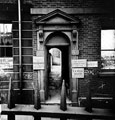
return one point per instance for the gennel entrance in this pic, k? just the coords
(57, 65)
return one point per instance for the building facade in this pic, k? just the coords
(79, 29)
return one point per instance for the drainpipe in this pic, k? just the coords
(20, 51)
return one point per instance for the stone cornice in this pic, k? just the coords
(73, 10)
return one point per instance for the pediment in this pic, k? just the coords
(56, 17)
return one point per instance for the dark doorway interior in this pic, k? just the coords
(57, 65)
(58, 70)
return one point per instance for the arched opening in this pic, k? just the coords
(55, 74)
(57, 66)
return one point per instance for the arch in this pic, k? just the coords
(56, 39)
(61, 41)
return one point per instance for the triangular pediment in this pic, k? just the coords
(57, 16)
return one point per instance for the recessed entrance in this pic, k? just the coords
(57, 61)
(55, 75)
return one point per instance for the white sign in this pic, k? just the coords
(77, 72)
(37, 59)
(40, 53)
(79, 63)
(75, 52)
(92, 64)
(6, 63)
(38, 66)
(6, 66)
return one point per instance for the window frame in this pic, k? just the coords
(107, 72)
(5, 46)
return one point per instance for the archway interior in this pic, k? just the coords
(55, 73)
(58, 70)
(58, 67)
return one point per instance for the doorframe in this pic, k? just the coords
(46, 62)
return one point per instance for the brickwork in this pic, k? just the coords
(64, 3)
(89, 31)
(67, 3)
(8, 1)
(89, 36)
(90, 47)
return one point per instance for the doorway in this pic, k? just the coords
(55, 74)
(57, 66)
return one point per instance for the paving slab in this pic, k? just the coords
(54, 111)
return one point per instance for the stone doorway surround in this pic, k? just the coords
(56, 21)
(54, 80)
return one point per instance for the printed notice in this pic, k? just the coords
(92, 64)
(38, 63)
(38, 66)
(77, 72)
(40, 53)
(37, 59)
(6, 63)
(79, 63)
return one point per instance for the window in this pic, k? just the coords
(5, 40)
(6, 59)
(108, 49)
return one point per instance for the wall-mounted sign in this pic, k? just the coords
(38, 66)
(37, 59)
(75, 52)
(38, 62)
(92, 64)
(77, 72)
(6, 63)
(40, 53)
(79, 63)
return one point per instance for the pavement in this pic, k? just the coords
(22, 117)
(54, 111)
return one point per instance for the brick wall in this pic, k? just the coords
(68, 3)
(89, 32)
(8, 1)
(89, 45)
(65, 3)
(89, 36)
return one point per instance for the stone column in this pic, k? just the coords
(42, 92)
(75, 54)
(75, 92)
